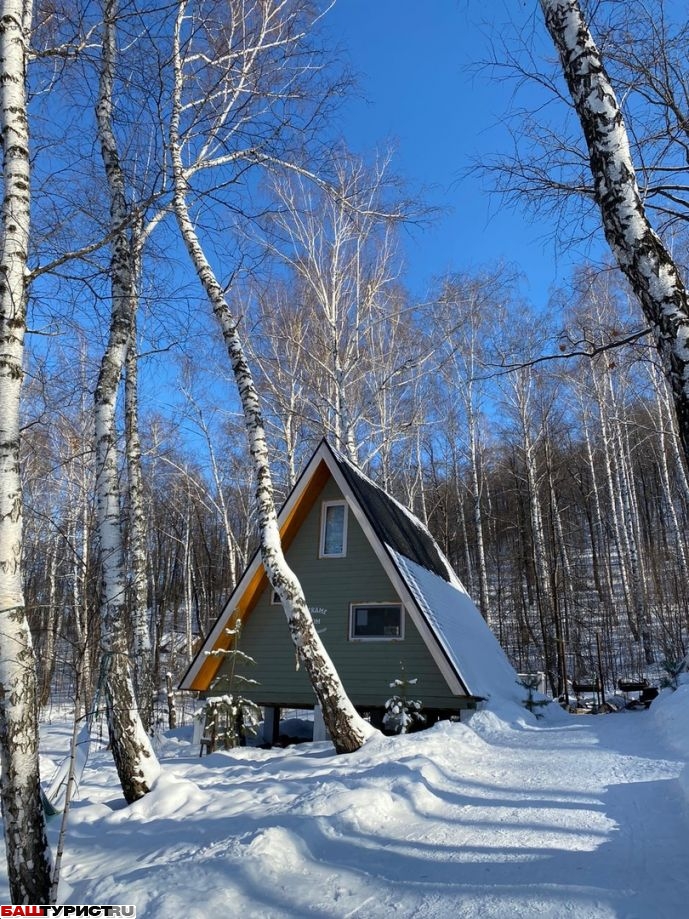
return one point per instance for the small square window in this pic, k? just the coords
(333, 529)
(376, 622)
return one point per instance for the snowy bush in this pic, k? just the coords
(402, 715)
(673, 671)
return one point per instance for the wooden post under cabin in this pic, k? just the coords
(271, 724)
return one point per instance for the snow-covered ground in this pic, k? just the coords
(567, 816)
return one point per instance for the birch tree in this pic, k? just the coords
(279, 353)
(141, 630)
(24, 828)
(523, 398)
(347, 728)
(339, 243)
(135, 760)
(218, 499)
(646, 262)
(461, 318)
(546, 168)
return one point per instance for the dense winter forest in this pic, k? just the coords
(557, 489)
(199, 236)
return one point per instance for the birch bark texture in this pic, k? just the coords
(347, 729)
(639, 251)
(141, 630)
(24, 826)
(136, 763)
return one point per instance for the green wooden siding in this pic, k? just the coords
(331, 584)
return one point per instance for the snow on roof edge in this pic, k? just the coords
(461, 631)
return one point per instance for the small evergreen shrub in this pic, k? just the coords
(231, 718)
(402, 714)
(529, 683)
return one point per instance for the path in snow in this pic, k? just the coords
(582, 818)
(602, 817)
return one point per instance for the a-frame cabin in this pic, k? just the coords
(383, 596)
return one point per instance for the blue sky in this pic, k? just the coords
(421, 89)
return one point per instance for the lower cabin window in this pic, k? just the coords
(376, 621)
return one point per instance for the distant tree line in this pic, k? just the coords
(556, 487)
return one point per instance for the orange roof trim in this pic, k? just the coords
(245, 602)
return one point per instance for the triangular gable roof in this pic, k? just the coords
(392, 523)
(461, 643)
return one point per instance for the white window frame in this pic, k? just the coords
(358, 604)
(324, 518)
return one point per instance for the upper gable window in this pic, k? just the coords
(333, 529)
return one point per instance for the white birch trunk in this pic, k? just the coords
(545, 593)
(629, 517)
(546, 604)
(28, 864)
(619, 532)
(221, 502)
(347, 729)
(562, 591)
(82, 651)
(421, 479)
(141, 629)
(188, 586)
(599, 547)
(81, 489)
(567, 574)
(678, 537)
(671, 439)
(135, 760)
(474, 453)
(51, 624)
(468, 564)
(640, 254)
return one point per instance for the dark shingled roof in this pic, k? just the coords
(392, 523)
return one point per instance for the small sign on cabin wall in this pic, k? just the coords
(318, 612)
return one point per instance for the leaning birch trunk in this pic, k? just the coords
(347, 729)
(136, 763)
(640, 254)
(28, 865)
